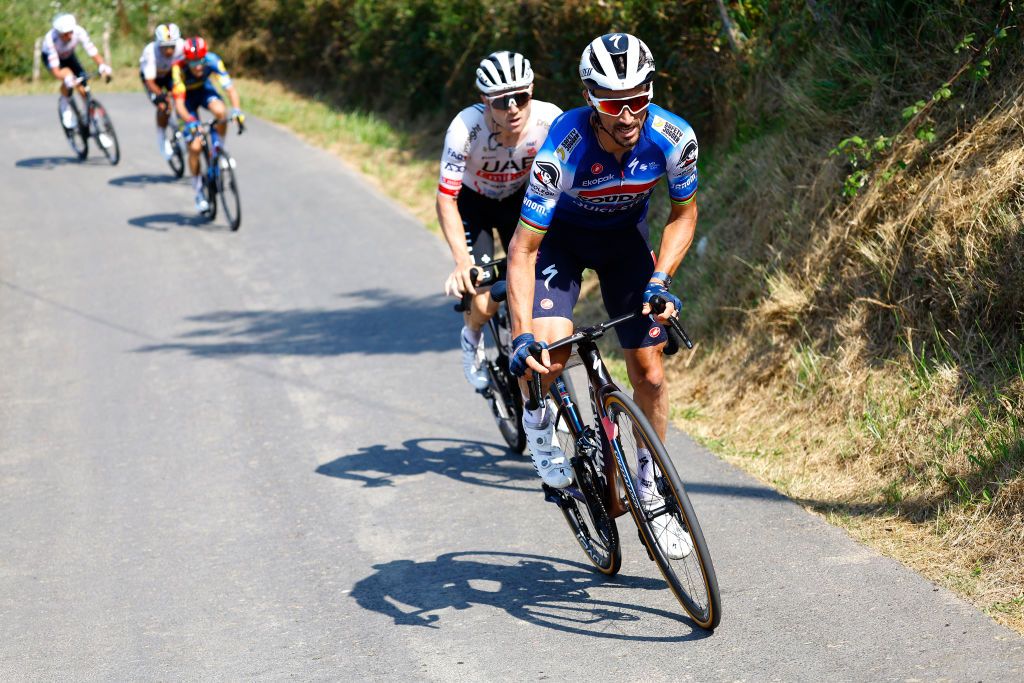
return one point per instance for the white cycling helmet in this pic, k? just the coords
(616, 61)
(167, 35)
(64, 23)
(503, 70)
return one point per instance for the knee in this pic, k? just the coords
(649, 379)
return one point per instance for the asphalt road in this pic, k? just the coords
(252, 455)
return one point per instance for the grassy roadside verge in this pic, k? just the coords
(787, 430)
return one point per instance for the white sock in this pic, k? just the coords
(197, 183)
(645, 470)
(63, 102)
(536, 418)
(471, 336)
(161, 136)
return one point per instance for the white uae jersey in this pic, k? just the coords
(154, 65)
(473, 156)
(56, 49)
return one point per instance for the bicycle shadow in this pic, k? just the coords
(143, 180)
(50, 163)
(162, 222)
(558, 594)
(469, 462)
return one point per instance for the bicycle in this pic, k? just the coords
(502, 392)
(217, 168)
(177, 159)
(605, 460)
(97, 124)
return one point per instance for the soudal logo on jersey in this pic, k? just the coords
(618, 194)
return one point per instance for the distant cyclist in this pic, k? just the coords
(192, 88)
(487, 155)
(155, 72)
(586, 207)
(58, 53)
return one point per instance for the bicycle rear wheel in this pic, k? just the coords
(595, 530)
(103, 130)
(77, 137)
(227, 189)
(209, 182)
(691, 577)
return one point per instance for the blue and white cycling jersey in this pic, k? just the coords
(575, 180)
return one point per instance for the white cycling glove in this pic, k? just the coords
(70, 81)
(105, 69)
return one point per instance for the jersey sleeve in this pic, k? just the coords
(177, 81)
(83, 38)
(453, 159)
(680, 158)
(217, 65)
(50, 50)
(549, 171)
(147, 62)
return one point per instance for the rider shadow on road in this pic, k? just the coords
(381, 322)
(50, 163)
(143, 180)
(470, 462)
(163, 222)
(543, 591)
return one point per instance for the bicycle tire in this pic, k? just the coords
(81, 149)
(101, 126)
(599, 538)
(691, 578)
(505, 389)
(227, 189)
(208, 187)
(177, 160)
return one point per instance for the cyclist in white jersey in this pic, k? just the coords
(488, 151)
(58, 53)
(155, 72)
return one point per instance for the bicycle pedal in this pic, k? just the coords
(552, 495)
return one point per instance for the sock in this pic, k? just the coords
(63, 102)
(471, 336)
(645, 468)
(161, 135)
(197, 183)
(536, 418)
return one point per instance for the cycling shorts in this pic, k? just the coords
(162, 82)
(200, 97)
(624, 263)
(71, 62)
(481, 215)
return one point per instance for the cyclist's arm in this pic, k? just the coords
(236, 102)
(677, 237)
(522, 264)
(451, 169)
(178, 92)
(90, 48)
(451, 225)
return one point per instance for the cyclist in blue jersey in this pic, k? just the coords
(586, 207)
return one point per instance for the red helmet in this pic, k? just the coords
(195, 48)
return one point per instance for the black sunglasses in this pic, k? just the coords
(503, 102)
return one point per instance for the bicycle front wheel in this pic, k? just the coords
(595, 530)
(227, 190)
(507, 405)
(77, 135)
(662, 511)
(177, 160)
(103, 131)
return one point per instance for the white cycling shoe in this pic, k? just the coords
(473, 362)
(673, 539)
(202, 206)
(166, 149)
(548, 458)
(67, 117)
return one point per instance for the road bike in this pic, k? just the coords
(178, 146)
(96, 124)
(217, 169)
(502, 391)
(606, 457)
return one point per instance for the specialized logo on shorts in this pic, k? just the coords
(667, 129)
(547, 304)
(550, 271)
(655, 332)
(596, 168)
(548, 175)
(568, 144)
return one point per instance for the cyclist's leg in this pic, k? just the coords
(215, 104)
(193, 100)
(624, 274)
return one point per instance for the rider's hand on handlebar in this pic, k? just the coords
(70, 81)
(105, 70)
(521, 360)
(191, 129)
(672, 302)
(238, 115)
(460, 281)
